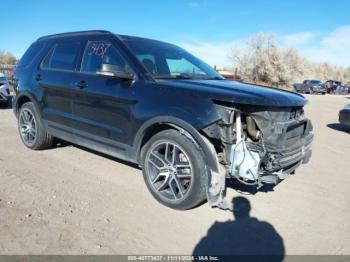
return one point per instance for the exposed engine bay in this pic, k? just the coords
(258, 145)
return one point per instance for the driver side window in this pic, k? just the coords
(100, 52)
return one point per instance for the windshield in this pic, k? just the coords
(166, 61)
(3, 79)
(315, 82)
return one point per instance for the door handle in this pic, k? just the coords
(82, 84)
(38, 77)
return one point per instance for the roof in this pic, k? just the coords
(99, 32)
(78, 33)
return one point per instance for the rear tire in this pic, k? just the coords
(174, 170)
(31, 128)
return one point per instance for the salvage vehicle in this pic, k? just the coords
(344, 115)
(5, 97)
(311, 87)
(154, 104)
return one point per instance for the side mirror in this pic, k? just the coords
(114, 71)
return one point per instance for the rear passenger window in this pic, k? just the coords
(100, 52)
(63, 56)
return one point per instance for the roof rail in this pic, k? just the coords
(88, 32)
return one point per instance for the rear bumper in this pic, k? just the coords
(344, 117)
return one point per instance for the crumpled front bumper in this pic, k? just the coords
(284, 159)
(286, 145)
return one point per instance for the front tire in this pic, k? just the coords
(174, 170)
(31, 128)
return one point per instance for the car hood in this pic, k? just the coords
(235, 92)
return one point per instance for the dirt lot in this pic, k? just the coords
(71, 201)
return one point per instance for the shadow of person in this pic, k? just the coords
(244, 236)
(339, 127)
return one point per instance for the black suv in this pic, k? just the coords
(154, 104)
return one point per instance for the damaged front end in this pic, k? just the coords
(257, 145)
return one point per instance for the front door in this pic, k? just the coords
(102, 105)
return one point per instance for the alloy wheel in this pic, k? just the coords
(28, 127)
(169, 170)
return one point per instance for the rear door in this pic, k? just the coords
(55, 79)
(101, 105)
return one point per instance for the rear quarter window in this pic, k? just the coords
(32, 52)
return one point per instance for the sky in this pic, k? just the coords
(319, 29)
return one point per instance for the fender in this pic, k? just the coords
(179, 124)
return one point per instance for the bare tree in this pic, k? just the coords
(7, 58)
(261, 60)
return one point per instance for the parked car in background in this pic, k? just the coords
(154, 104)
(4, 90)
(311, 87)
(342, 90)
(331, 86)
(344, 115)
(11, 75)
(296, 86)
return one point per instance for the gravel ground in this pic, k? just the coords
(68, 200)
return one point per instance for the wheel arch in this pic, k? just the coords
(157, 124)
(22, 99)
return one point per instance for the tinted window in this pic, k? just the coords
(100, 52)
(170, 61)
(149, 62)
(62, 56)
(30, 54)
